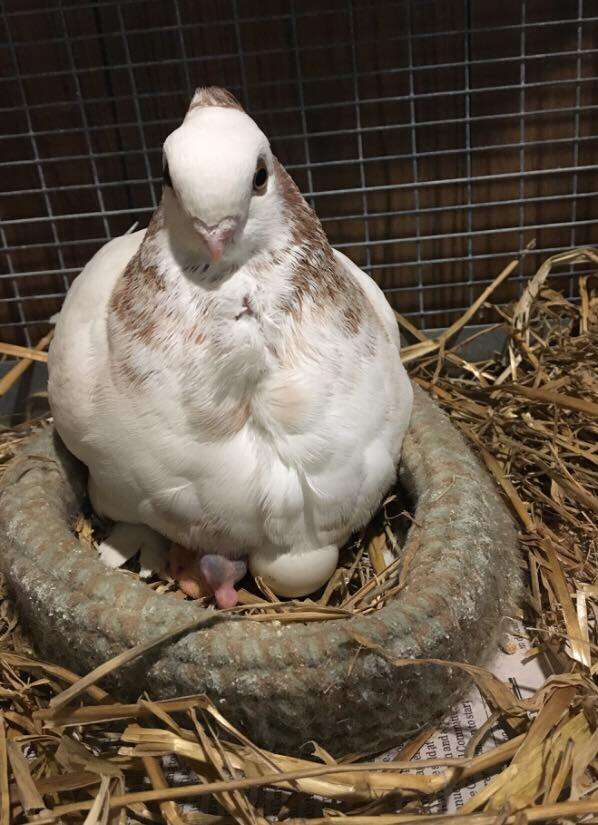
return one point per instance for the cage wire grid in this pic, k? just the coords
(435, 140)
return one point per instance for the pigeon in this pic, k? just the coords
(231, 381)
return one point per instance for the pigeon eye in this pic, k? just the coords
(260, 179)
(166, 177)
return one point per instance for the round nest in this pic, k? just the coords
(284, 685)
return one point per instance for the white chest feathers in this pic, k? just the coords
(216, 352)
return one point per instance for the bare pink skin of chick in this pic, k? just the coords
(198, 576)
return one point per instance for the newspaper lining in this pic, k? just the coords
(453, 734)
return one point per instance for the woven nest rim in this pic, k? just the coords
(284, 685)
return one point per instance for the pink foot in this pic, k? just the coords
(199, 576)
(182, 566)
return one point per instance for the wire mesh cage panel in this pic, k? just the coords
(435, 139)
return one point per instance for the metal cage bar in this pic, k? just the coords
(434, 140)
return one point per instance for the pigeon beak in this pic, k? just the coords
(217, 237)
(215, 247)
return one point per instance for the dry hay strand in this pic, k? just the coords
(534, 420)
(26, 356)
(69, 752)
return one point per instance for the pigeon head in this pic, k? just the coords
(219, 187)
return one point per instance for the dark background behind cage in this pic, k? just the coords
(434, 139)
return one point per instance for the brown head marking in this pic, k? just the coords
(214, 96)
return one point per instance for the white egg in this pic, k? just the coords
(295, 574)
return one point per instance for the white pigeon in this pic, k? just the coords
(228, 378)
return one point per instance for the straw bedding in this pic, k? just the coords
(532, 414)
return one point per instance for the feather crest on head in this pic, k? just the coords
(214, 96)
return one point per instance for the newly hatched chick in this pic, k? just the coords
(229, 379)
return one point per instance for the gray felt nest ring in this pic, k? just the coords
(282, 684)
